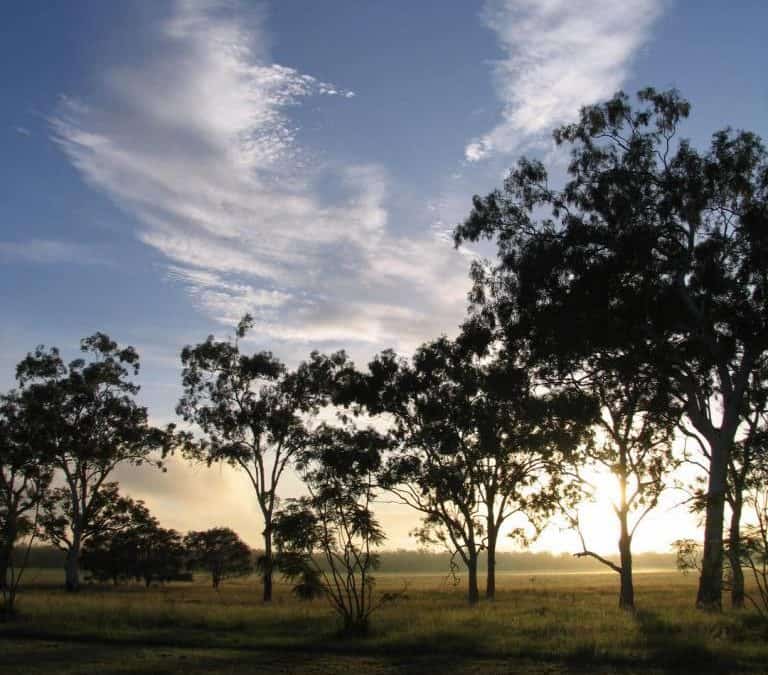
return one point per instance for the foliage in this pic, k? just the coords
(220, 552)
(141, 550)
(327, 540)
(250, 410)
(633, 441)
(109, 513)
(473, 445)
(651, 248)
(86, 423)
(24, 478)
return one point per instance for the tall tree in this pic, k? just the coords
(473, 446)
(24, 477)
(252, 415)
(70, 524)
(745, 472)
(635, 430)
(220, 552)
(665, 245)
(87, 423)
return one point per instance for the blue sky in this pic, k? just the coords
(167, 166)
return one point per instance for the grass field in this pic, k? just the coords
(538, 624)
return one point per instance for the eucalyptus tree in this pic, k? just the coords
(220, 552)
(746, 470)
(252, 413)
(86, 422)
(70, 525)
(140, 550)
(635, 430)
(473, 445)
(24, 478)
(328, 539)
(650, 245)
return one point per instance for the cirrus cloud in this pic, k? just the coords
(558, 55)
(198, 144)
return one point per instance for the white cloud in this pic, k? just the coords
(199, 145)
(559, 55)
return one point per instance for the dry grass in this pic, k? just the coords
(545, 623)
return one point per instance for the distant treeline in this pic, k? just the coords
(425, 561)
(410, 561)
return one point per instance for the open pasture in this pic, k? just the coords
(542, 623)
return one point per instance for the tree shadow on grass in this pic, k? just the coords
(676, 650)
(44, 657)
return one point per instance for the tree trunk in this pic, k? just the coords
(627, 589)
(6, 551)
(267, 570)
(734, 551)
(473, 593)
(72, 570)
(490, 582)
(711, 579)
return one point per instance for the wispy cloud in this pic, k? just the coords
(51, 251)
(559, 55)
(22, 131)
(199, 145)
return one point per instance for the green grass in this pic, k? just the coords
(551, 624)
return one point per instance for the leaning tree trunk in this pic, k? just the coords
(734, 551)
(711, 579)
(627, 588)
(72, 570)
(267, 569)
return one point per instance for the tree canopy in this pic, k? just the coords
(652, 247)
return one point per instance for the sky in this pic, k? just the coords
(168, 166)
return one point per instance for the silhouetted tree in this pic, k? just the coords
(141, 550)
(753, 541)
(23, 478)
(651, 245)
(107, 513)
(220, 552)
(328, 539)
(252, 413)
(86, 423)
(472, 445)
(751, 544)
(746, 469)
(635, 430)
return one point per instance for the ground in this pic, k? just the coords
(538, 624)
